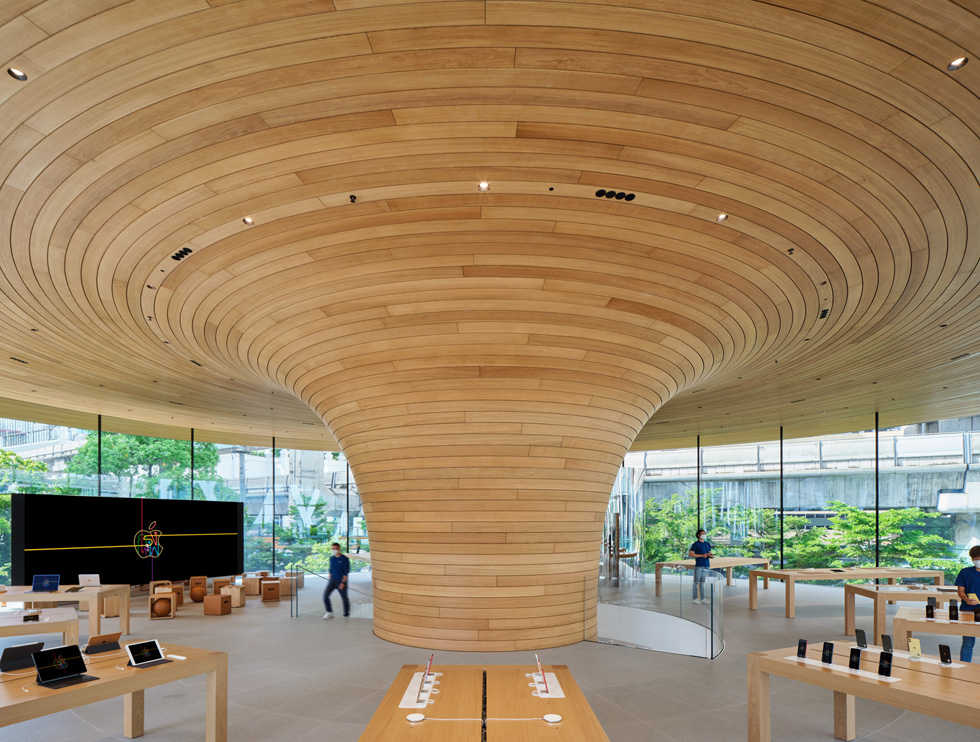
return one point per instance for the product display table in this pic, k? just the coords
(90, 596)
(790, 576)
(50, 621)
(927, 688)
(17, 706)
(725, 563)
(882, 594)
(511, 711)
(909, 620)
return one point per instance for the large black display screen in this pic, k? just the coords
(124, 540)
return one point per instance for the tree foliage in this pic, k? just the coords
(149, 459)
(669, 526)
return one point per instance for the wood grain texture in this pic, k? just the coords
(485, 360)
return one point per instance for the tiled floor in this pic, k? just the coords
(306, 679)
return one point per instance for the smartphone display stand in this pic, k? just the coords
(413, 699)
(897, 653)
(845, 669)
(554, 687)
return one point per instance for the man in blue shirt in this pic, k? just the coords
(701, 552)
(339, 570)
(967, 582)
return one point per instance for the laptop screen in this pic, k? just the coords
(45, 583)
(143, 652)
(86, 580)
(58, 663)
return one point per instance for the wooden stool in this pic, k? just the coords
(171, 600)
(285, 586)
(299, 577)
(217, 584)
(178, 590)
(217, 605)
(253, 585)
(199, 582)
(236, 593)
(153, 585)
(270, 591)
(263, 573)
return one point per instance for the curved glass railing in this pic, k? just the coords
(632, 613)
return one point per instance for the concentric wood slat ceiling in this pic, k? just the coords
(457, 341)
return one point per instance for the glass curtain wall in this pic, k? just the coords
(296, 502)
(914, 504)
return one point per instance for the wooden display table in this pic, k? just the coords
(17, 706)
(926, 688)
(725, 563)
(52, 620)
(513, 714)
(790, 576)
(910, 619)
(887, 594)
(92, 597)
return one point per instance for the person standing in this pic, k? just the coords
(339, 571)
(701, 552)
(968, 581)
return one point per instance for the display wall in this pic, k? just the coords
(129, 541)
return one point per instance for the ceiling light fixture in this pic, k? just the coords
(722, 218)
(248, 221)
(956, 64)
(18, 75)
(483, 187)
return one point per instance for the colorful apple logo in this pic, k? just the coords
(147, 542)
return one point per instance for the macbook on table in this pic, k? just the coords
(45, 584)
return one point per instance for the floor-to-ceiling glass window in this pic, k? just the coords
(670, 505)
(929, 494)
(37, 458)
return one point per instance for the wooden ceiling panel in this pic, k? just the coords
(481, 356)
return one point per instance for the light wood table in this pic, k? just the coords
(882, 594)
(725, 563)
(509, 697)
(512, 713)
(790, 576)
(52, 620)
(17, 706)
(909, 619)
(92, 597)
(926, 688)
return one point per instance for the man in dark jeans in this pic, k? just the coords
(339, 570)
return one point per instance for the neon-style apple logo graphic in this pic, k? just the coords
(147, 542)
(60, 662)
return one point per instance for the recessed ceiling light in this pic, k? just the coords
(722, 218)
(956, 64)
(483, 187)
(249, 221)
(18, 75)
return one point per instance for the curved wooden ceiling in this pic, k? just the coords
(453, 339)
(842, 148)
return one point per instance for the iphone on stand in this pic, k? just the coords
(855, 662)
(886, 643)
(945, 656)
(862, 640)
(828, 653)
(801, 649)
(885, 664)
